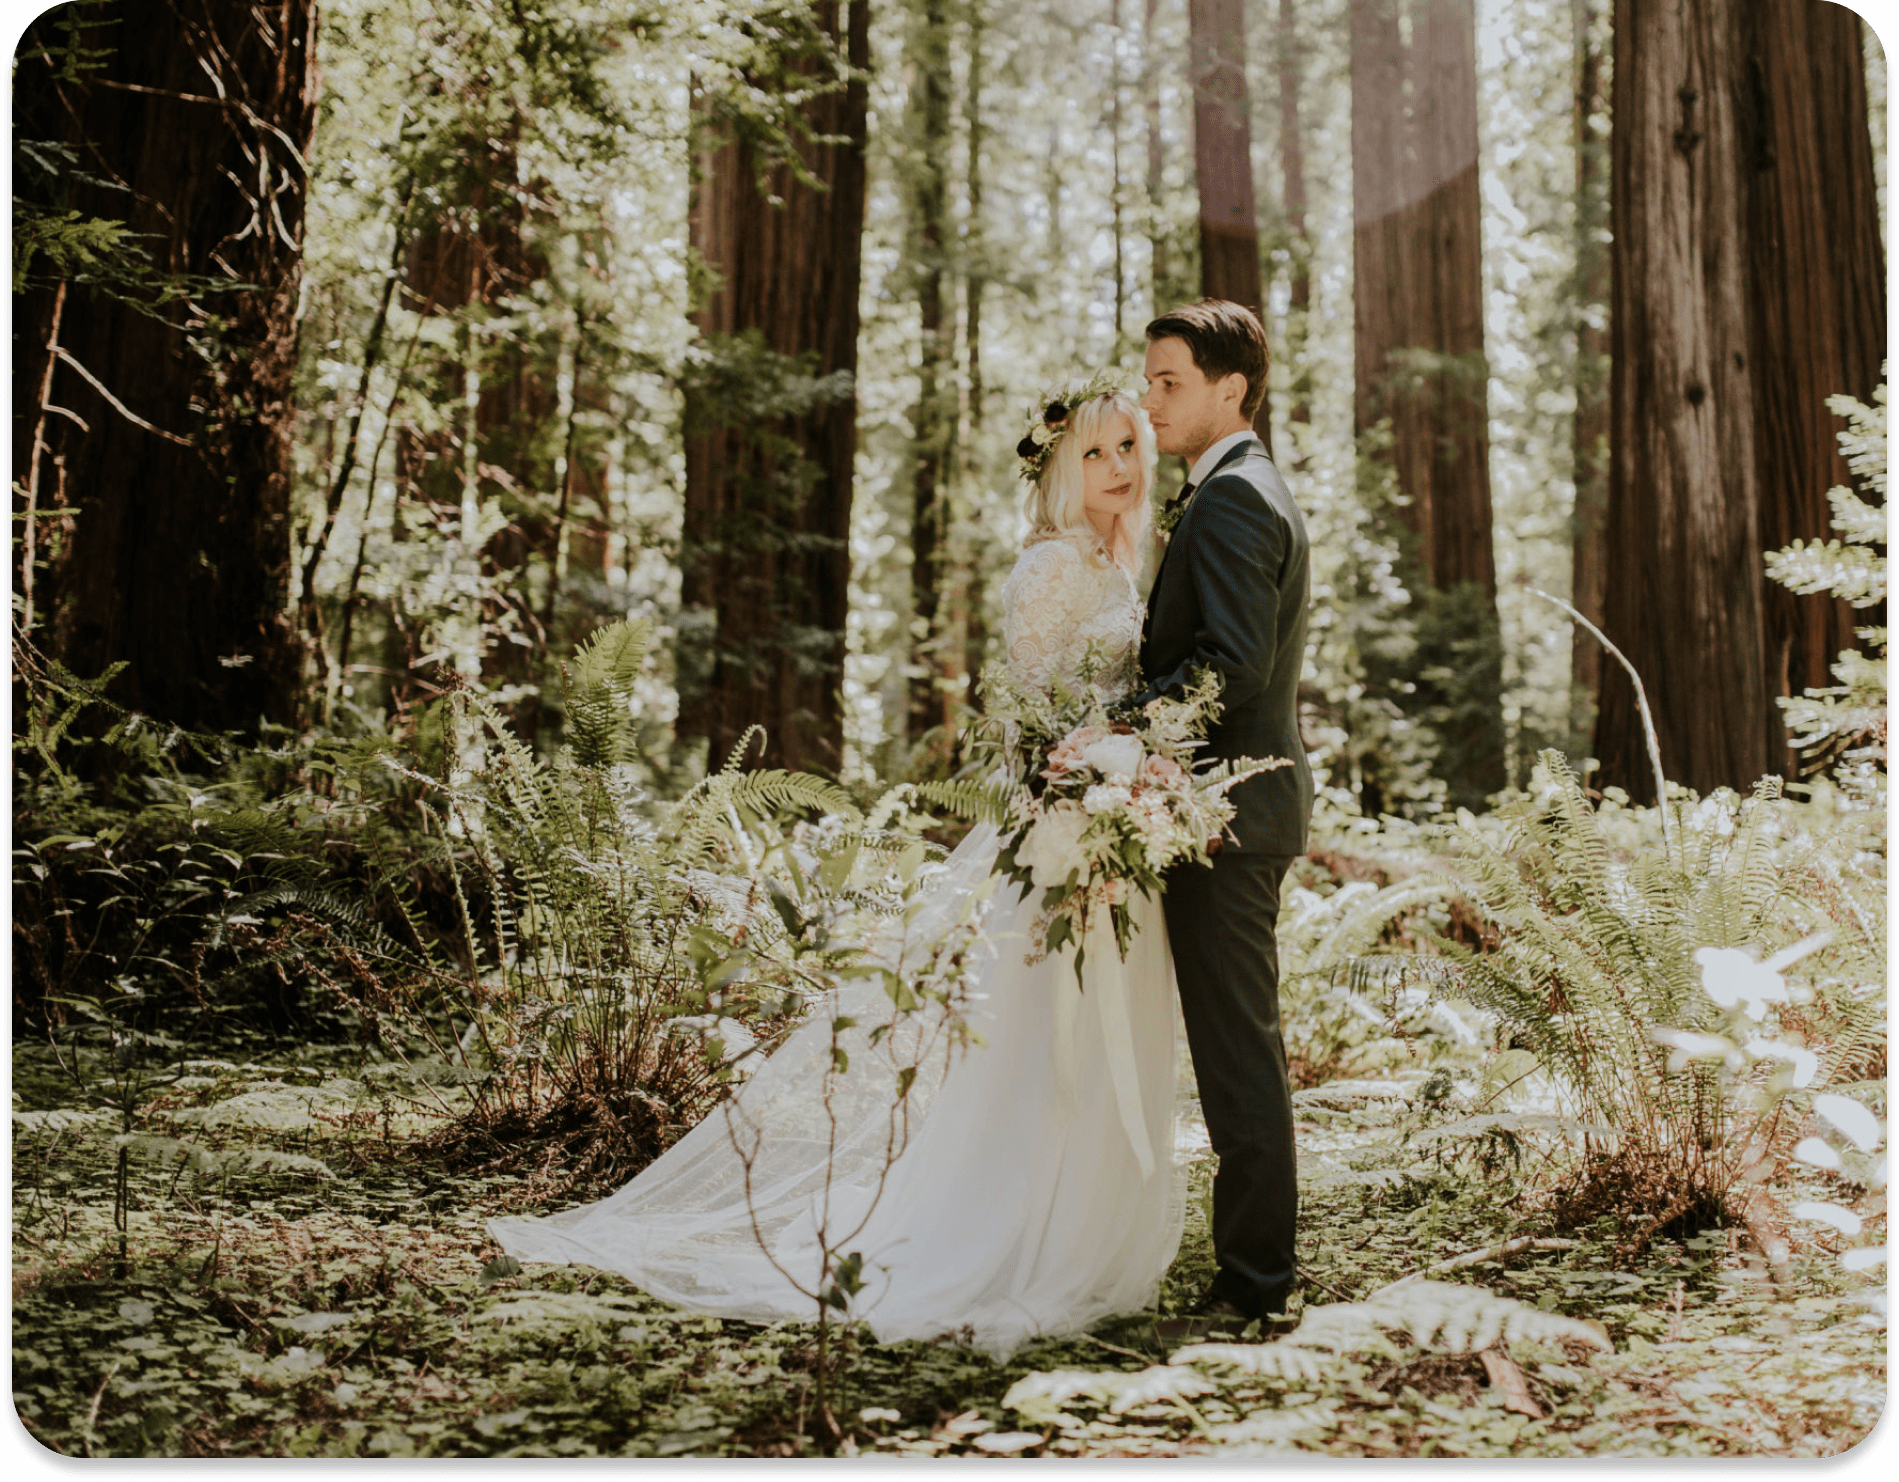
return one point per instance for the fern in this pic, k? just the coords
(1594, 952)
(980, 802)
(1844, 724)
(613, 655)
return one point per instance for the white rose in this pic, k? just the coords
(1104, 797)
(1053, 846)
(1114, 756)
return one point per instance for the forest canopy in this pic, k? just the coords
(512, 502)
(477, 324)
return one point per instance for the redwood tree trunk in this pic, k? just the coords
(1292, 164)
(1223, 164)
(1748, 286)
(1444, 450)
(176, 552)
(1590, 429)
(936, 650)
(1817, 285)
(765, 553)
(1419, 354)
(495, 450)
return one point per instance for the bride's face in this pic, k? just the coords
(1111, 469)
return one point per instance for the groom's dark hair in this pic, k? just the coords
(1225, 339)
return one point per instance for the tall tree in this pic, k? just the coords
(501, 450)
(1748, 282)
(1419, 349)
(1590, 430)
(977, 269)
(936, 652)
(152, 415)
(765, 553)
(1289, 64)
(1223, 163)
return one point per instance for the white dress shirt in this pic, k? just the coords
(1210, 460)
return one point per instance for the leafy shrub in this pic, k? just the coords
(620, 960)
(1845, 724)
(1594, 952)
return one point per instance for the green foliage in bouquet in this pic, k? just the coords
(1104, 801)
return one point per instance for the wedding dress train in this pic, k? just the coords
(1036, 1190)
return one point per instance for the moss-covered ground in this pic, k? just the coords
(342, 1302)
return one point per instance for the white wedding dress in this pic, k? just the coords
(1035, 1189)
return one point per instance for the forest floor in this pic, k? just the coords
(344, 1304)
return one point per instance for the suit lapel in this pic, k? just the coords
(1233, 455)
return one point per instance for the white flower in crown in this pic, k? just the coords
(1104, 797)
(1118, 758)
(1049, 419)
(1053, 848)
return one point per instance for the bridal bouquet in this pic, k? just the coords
(1104, 805)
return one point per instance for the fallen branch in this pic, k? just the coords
(1477, 1258)
(120, 407)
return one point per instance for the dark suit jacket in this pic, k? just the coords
(1231, 596)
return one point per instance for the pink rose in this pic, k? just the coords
(1066, 757)
(1163, 772)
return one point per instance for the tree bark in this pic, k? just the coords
(1292, 164)
(1160, 274)
(936, 650)
(177, 558)
(975, 279)
(1223, 164)
(1590, 428)
(1381, 260)
(1445, 452)
(1748, 286)
(1817, 283)
(480, 253)
(765, 553)
(1419, 353)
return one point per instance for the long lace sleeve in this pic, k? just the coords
(1039, 605)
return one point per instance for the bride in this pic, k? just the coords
(1034, 1190)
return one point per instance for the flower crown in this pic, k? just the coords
(1048, 422)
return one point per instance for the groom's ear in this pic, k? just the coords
(1233, 389)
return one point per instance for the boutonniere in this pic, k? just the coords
(1168, 515)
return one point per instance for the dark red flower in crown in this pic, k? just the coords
(1048, 421)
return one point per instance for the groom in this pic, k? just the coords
(1231, 596)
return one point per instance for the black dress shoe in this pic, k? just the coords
(1219, 1299)
(1216, 1320)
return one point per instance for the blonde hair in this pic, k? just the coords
(1057, 504)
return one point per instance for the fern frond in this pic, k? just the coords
(980, 802)
(776, 791)
(613, 654)
(736, 758)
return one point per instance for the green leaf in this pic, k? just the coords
(786, 908)
(499, 1269)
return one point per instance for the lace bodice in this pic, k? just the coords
(1058, 600)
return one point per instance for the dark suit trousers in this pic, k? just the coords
(1221, 923)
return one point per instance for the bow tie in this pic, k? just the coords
(1180, 499)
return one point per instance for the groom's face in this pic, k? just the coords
(1189, 412)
